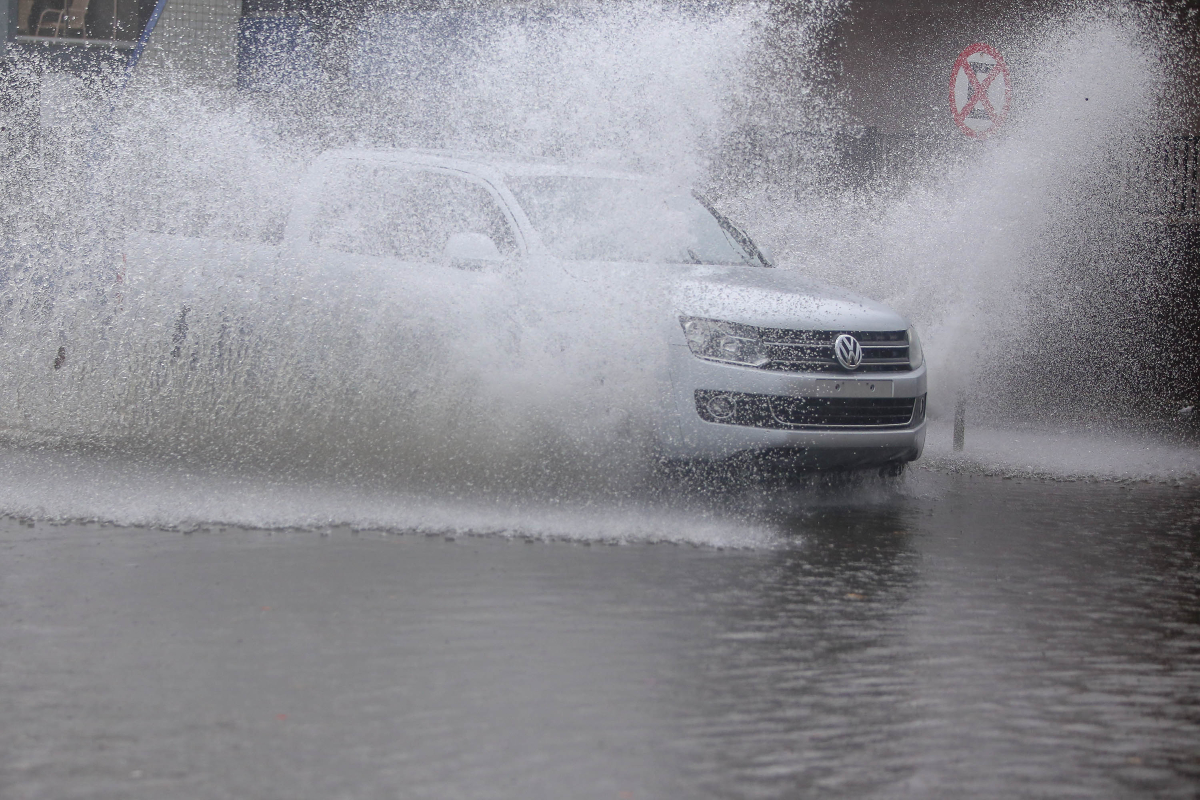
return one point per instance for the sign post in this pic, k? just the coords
(980, 90)
(980, 96)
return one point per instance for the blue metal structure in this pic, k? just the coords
(141, 44)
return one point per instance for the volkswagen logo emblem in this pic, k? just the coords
(848, 351)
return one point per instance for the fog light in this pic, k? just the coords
(919, 411)
(720, 406)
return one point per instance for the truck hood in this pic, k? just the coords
(777, 298)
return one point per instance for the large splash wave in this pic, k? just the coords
(146, 308)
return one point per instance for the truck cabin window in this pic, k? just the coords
(405, 214)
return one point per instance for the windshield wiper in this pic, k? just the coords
(748, 250)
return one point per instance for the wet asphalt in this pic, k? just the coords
(965, 636)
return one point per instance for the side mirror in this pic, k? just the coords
(473, 251)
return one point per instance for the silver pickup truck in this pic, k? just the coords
(746, 358)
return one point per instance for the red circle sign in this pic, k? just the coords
(980, 90)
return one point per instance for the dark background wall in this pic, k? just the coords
(896, 54)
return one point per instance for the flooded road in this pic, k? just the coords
(961, 636)
(293, 515)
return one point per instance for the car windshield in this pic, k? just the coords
(628, 219)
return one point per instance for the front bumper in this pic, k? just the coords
(693, 437)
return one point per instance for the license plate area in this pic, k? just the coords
(833, 387)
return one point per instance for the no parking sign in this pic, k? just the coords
(980, 90)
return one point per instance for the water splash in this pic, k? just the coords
(472, 388)
(994, 247)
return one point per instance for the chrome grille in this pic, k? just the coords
(812, 351)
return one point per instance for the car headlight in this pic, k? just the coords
(724, 341)
(916, 356)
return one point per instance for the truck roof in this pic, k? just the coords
(482, 163)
